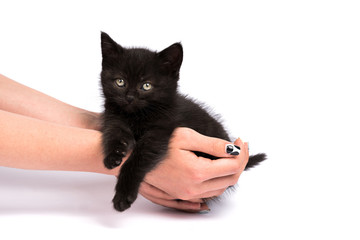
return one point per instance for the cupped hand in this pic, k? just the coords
(183, 175)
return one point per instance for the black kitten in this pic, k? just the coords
(142, 109)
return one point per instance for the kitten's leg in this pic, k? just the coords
(148, 152)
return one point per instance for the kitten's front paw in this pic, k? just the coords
(123, 201)
(114, 159)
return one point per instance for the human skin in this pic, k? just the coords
(42, 133)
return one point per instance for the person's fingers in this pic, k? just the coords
(222, 167)
(194, 205)
(191, 140)
(245, 153)
(219, 168)
(181, 205)
(218, 184)
(212, 194)
(215, 186)
(150, 190)
(196, 200)
(205, 178)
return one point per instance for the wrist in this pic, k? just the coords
(89, 120)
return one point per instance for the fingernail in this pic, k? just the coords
(204, 208)
(232, 149)
(204, 211)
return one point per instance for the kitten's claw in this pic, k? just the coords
(120, 153)
(124, 143)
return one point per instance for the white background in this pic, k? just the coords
(283, 74)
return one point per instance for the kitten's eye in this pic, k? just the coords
(146, 86)
(120, 82)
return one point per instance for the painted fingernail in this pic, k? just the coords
(232, 149)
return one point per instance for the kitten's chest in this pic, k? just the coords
(140, 126)
(138, 130)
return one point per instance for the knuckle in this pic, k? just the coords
(197, 176)
(182, 135)
(177, 132)
(189, 194)
(186, 194)
(185, 133)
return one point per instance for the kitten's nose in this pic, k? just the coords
(130, 98)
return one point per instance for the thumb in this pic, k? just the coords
(191, 140)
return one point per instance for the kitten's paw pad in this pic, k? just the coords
(112, 160)
(122, 201)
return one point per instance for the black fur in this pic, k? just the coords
(143, 119)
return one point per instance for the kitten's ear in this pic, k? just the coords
(171, 58)
(109, 48)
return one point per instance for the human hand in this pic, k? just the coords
(183, 175)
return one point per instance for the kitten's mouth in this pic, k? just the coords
(131, 108)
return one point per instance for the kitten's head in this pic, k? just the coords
(137, 78)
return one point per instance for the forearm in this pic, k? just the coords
(20, 99)
(29, 143)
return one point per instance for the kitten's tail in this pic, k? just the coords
(255, 160)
